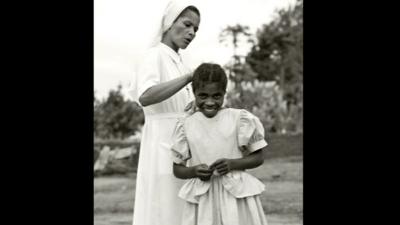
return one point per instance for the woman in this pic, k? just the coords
(163, 91)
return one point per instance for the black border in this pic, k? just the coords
(49, 106)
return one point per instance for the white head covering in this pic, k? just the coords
(171, 12)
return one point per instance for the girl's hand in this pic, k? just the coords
(202, 171)
(222, 166)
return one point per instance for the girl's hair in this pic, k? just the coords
(208, 73)
(189, 8)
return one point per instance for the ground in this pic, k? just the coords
(282, 173)
(282, 200)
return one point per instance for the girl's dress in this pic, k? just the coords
(156, 197)
(231, 199)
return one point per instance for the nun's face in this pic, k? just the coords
(183, 31)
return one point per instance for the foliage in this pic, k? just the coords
(116, 117)
(265, 100)
(236, 35)
(278, 52)
(276, 56)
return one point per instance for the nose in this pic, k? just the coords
(209, 102)
(191, 32)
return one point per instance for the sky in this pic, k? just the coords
(122, 27)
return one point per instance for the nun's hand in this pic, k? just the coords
(190, 76)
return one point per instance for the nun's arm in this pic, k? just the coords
(163, 91)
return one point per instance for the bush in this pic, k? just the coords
(266, 100)
(116, 117)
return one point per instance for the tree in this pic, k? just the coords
(116, 117)
(234, 35)
(278, 53)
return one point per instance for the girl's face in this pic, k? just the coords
(183, 31)
(209, 99)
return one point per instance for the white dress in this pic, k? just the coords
(156, 200)
(233, 198)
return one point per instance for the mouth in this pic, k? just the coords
(187, 40)
(209, 110)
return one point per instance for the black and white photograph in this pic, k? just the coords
(198, 112)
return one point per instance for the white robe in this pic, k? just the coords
(156, 196)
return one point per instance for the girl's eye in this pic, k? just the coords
(202, 96)
(218, 96)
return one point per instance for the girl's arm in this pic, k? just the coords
(199, 171)
(253, 160)
(163, 91)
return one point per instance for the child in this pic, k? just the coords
(212, 148)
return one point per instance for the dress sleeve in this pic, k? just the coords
(180, 147)
(149, 72)
(146, 74)
(251, 133)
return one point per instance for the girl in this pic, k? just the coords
(212, 148)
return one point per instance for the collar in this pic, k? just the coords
(176, 57)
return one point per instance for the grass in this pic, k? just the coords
(114, 194)
(281, 146)
(281, 173)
